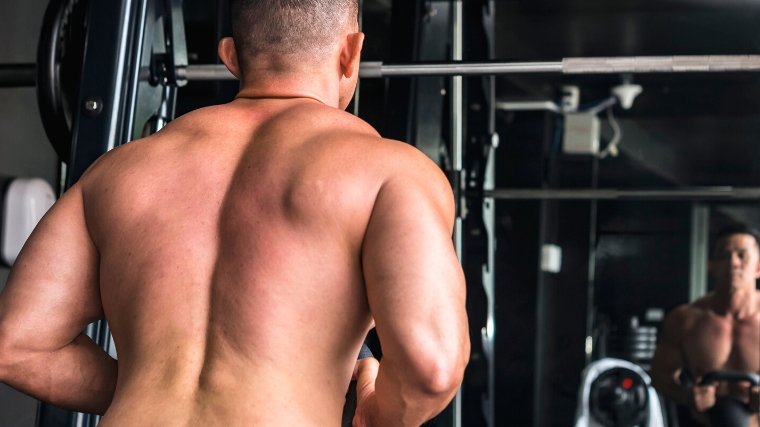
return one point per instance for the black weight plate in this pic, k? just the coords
(614, 404)
(60, 55)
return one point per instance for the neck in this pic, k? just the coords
(737, 302)
(265, 84)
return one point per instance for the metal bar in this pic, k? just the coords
(611, 65)
(528, 106)
(457, 138)
(714, 193)
(18, 75)
(358, 89)
(591, 286)
(488, 275)
(700, 236)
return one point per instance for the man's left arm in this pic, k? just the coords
(51, 296)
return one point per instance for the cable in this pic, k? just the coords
(598, 108)
(612, 147)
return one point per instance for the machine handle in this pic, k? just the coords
(732, 376)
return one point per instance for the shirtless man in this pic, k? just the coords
(720, 331)
(241, 255)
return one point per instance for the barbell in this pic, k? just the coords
(60, 55)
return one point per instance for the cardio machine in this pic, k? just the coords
(617, 393)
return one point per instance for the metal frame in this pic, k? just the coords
(700, 236)
(457, 142)
(708, 193)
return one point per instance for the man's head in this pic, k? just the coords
(736, 256)
(295, 38)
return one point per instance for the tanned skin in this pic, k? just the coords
(240, 256)
(720, 331)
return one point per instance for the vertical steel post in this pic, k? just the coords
(357, 93)
(591, 289)
(489, 283)
(489, 221)
(457, 142)
(700, 230)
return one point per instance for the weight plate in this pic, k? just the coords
(60, 55)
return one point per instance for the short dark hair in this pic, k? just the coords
(282, 27)
(736, 228)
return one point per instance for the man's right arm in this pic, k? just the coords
(668, 361)
(416, 292)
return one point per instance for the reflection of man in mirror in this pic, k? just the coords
(718, 332)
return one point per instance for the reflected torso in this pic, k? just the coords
(230, 264)
(713, 342)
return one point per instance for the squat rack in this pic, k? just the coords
(119, 95)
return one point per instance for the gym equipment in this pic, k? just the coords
(61, 51)
(350, 408)
(59, 68)
(18, 75)
(730, 411)
(636, 344)
(24, 202)
(731, 376)
(640, 64)
(617, 393)
(705, 193)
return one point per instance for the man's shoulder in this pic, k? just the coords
(343, 133)
(684, 315)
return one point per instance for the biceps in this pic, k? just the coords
(52, 292)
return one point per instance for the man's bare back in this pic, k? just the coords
(230, 252)
(260, 296)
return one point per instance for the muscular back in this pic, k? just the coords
(230, 262)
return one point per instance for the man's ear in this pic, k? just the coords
(229, 56)
(350, 55)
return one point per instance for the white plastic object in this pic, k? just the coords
(626, 94)
(551, 258)
(581, 136)
(571, 98)
(25, 202)
(655, 315)
(583, 417)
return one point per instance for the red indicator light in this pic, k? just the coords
(627, 383)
